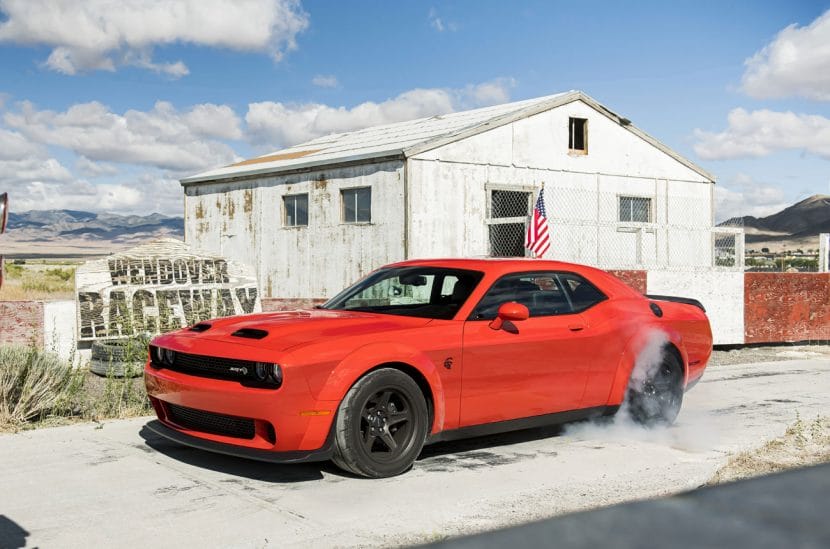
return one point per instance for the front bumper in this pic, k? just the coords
(323, 454)
(284, 421)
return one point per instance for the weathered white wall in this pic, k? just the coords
(244, 221)
(721, 293)
(60, 331)
(448, 193)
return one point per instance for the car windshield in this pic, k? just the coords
(427, 292)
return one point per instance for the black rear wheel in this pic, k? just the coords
(654, 397)
(381, 425)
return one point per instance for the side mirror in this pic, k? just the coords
(510, 311)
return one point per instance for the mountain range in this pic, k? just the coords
(71, 232)
(795, 225)
(806, 218)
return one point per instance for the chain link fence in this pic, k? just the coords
(623, 229)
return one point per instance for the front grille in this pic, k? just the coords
(233, 369)
(209, 422)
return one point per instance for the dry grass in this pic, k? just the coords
(37, 390)
(33, 281)
(804, 443)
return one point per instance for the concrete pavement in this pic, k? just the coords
(121, 485)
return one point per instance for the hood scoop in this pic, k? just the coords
(250, 333)
(201, 327)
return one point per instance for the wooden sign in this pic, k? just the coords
(159, 287)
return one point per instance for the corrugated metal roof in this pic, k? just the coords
(408, 138)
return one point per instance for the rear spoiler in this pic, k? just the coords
(686, 300)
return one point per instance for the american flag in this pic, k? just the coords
(538, 239)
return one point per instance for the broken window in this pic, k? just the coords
(578, 135)
(295, 207)
(635, 209)
(357, 205)
(508, 212)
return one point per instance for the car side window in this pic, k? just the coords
(542, 293)
(581, 293)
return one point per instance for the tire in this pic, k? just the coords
(656, 399)
(113, 358)
(381, 425)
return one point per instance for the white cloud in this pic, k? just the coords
(103, 35)
(795, 63)
(14, 146)
(438, 23)
(24, 170)
(759, 133)
(87, 167)
(162, 137)
(145, 195)
(284, 124)
(325, 81)
(209, 120)
(743, 196)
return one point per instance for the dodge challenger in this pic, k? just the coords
(424, 351)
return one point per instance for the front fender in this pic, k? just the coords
(368, 357)
(638, 344)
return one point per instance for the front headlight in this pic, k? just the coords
(169, 356)
(158, 355)
(268, 372)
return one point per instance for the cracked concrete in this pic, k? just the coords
(82, 486)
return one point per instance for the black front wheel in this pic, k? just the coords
(654, 396)
(381, 425)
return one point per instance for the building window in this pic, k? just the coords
(296, 210)
(357, 205)
(635, 209)
(578, 135)
(507, 215)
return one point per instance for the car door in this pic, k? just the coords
(525, 368)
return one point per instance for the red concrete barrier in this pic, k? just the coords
(786, 307)
(635, 279)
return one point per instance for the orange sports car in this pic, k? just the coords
(424, 351)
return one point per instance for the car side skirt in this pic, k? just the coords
(557, 418)
(322, 454)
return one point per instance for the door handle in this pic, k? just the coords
(576, 327)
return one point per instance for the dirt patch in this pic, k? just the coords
(804, 443)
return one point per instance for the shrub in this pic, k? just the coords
(60, 274)
(32, 384)
(13, 270)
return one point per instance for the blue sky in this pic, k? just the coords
(104, 109)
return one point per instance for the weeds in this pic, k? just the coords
(802, 444)
(36, 388)
(35, 281)
(32, 384)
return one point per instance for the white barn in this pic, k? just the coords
(317, 216)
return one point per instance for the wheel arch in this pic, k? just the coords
(376, 356)
(672, 344)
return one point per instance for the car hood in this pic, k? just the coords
(283, 330)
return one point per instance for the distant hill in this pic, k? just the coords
(795, 225)
(806, 218)
(54, 232)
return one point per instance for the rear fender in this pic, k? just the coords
(368, 357)
(651, 335)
